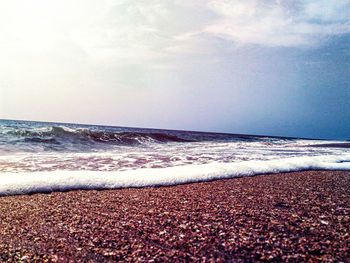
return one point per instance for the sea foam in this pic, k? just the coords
(60, 180)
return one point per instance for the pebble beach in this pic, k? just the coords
(297, 216)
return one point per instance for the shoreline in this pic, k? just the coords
(286, 216)
(47, 181)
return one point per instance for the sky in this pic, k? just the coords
(268, 67)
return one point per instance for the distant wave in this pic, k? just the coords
(60, 134)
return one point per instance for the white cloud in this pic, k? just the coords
(156, 31)
(279, 23)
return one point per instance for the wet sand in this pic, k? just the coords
(298, 216)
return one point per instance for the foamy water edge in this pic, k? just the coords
(60, 180)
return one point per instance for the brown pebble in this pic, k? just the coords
(299, 216)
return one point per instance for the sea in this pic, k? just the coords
(44, 156)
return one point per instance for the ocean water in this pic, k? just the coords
(43, 157)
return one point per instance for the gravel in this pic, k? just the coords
(298, 216)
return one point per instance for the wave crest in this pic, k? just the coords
(61, 135)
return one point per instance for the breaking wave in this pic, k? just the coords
(61, 135)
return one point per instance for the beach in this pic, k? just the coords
(296, 216)
(175, 131)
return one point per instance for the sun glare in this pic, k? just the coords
(38, 25)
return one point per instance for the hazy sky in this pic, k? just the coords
(241, 66)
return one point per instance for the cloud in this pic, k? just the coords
(145, 31)
(159, 31)
(279, 23)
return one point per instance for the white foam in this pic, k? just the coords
(32, 182)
